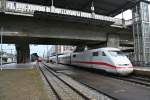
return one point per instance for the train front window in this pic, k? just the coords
(115, 53)
(103, 54)
(74, 56)
(95, 54)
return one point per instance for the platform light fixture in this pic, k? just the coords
(92, 6)
(52, 2)
(52, 5)
(93, 9)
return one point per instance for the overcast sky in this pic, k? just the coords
(42, 49)
(128, 14)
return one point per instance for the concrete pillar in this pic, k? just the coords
(141, 33)
(113, 40)
(23, 52)
(3, 5)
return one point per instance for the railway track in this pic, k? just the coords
(136, 79)
(64, 88)
(141, 80)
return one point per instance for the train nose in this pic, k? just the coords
(125, 70)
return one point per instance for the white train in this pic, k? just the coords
(109, 59)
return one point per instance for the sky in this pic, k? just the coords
(128, 14)
(42, 49)
(9, 48)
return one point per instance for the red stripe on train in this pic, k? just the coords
(101, 63)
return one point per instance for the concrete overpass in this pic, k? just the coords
(26, 22)
(44, 22)
(102, 7)
(39, 28)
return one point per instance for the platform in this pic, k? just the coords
(21, 83)
(144, 71)
(18, 66)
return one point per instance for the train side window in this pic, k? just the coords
(74, 56)
(95, 54)
(103, 54)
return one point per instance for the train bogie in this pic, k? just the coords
(53, 59)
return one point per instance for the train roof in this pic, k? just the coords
(109, 48)
(103, 49)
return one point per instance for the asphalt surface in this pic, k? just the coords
(119, 89)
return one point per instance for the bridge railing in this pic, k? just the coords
(24, 8)
(17, 7)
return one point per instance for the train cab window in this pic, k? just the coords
(115, 53)
(95, 54)
(103, 54)
(74, 56)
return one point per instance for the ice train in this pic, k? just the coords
(111, 60)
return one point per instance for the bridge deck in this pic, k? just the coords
(104, 7)
(27, 9)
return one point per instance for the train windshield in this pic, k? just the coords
(115, 53)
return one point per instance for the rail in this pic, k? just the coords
(68, 88)
(29, 9)
(145, 81)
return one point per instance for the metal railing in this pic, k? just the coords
(29, 9)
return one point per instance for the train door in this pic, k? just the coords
(81, 59)
(98, 59)
(74, 58)
(70, 59)
(86, 59)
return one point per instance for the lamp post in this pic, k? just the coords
(47, 53)
(1, 31)
(52, 5)
(93, 9)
